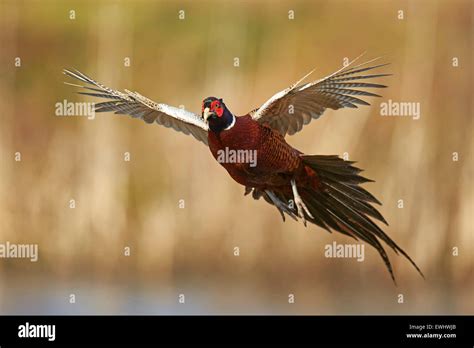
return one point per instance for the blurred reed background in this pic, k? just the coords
(190, 250)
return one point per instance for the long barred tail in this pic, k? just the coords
(344, 206)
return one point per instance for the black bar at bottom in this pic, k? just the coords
(332, 330)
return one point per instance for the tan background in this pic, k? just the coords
(190, 250)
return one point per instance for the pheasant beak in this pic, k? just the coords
(206, 114)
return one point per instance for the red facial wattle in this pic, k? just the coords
(217, 108)
(219, 111)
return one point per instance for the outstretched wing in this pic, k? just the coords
(289, 110)
(138, 106)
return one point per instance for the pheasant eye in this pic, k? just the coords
(214, 105)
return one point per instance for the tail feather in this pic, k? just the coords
(357, 205)
(342, 205)
(356, 192)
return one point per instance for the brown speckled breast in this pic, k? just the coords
(276, 161)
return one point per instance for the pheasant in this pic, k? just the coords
(321, 189)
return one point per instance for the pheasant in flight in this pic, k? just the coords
(324, 190)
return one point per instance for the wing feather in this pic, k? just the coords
(138, 106)
(289, 110)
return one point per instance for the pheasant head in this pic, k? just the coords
(216, 114)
